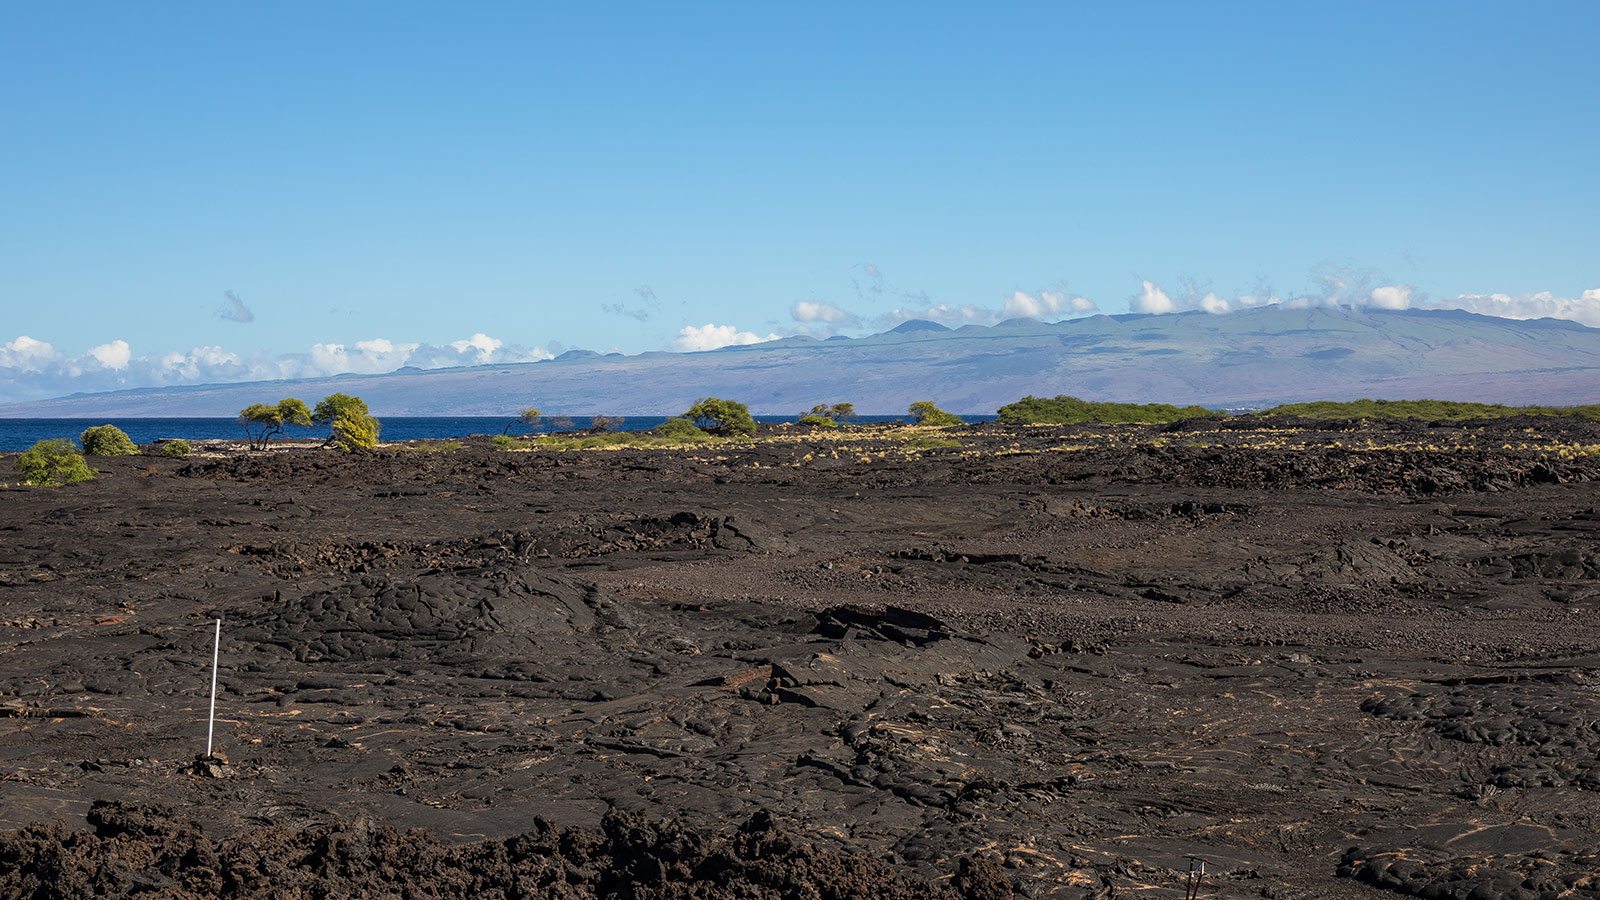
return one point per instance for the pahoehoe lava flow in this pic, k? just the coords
(1333, 659)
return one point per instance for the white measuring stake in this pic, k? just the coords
(211, 723)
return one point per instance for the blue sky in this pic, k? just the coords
(391, 183)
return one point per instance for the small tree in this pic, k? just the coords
(353, 431)
(839, 412)
(600, 424)
(527, 417)
(53, 462)
(261, 422)
(817, 420)
(107, 440)
(923, 412)
(721, 416)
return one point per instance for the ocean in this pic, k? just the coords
(20, 434)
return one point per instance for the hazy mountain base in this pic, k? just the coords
(1258, 357)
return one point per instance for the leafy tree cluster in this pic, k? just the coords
(53, 462)
(721, 417)
(923, 412)
(354, 428)
(1431, 410)
(1065, 410)
(107, 440)
(177, 447)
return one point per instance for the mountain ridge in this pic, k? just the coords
(1251, 357)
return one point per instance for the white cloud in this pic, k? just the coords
(114, 355)
(369, 357)
(1046, 305)
(378, 355)
(807, 311)
(1345, 289)
(1584, 308)
(1392, 296)
(480, 342)
(1153, 300)
(32, 369)
(199, 365)
(944, 314)
(1043, 305)
(27, 354)
(709, 337)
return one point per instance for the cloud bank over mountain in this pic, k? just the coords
(35, 368)
(1251, 357)
(32, 369)
(1360, 291)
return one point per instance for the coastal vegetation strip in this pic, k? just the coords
(1429, 410)
(1065, 410)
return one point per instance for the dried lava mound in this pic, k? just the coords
(1438, 875)
(152, 852)
(584, 537)
(1412, 472)
(438, 617)
(1557, 719)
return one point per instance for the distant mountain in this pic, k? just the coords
(1250, 358)
(911, 325)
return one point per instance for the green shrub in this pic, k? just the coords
(723, 417)
(108, 440)
(815, 421)
(353, 431)
(616, 440)
(1065, 410)
(504, 441)
(923, 412)
(446, 446)
(175, 448)
(926, 442)
(53, 462)
(680, 429)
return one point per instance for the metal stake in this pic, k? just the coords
(211, 723)
(1197, 872)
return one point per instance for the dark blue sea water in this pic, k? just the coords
(20, 434)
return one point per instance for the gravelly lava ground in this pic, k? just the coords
(1334, 660)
